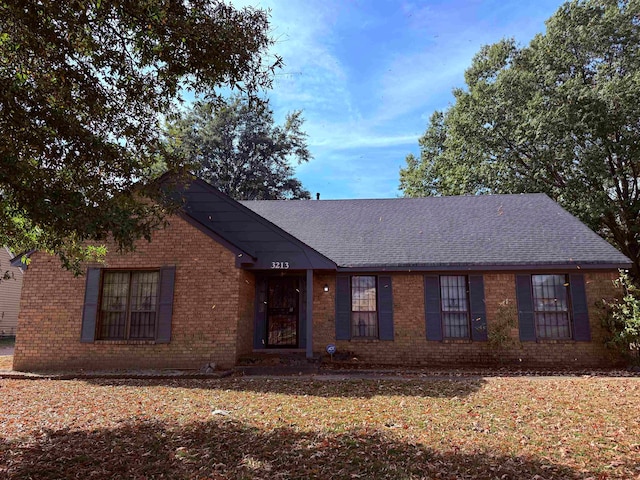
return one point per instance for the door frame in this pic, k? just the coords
(261, 332)
(296, 283)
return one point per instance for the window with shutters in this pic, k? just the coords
(364, 311)
(454, 305)
(128, 305)
(551, 306)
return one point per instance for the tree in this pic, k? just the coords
(559, 116)
(239, 149)
(84, 85)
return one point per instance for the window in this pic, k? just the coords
(551, 306)
(364, 315)
(454, 304)
(454, 307)
(129, 305)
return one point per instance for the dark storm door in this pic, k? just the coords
(282, 312)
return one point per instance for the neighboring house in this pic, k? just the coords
(10, 290)
(422, 281)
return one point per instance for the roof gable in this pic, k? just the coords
(259, 243)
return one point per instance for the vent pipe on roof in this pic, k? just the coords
(318, 196)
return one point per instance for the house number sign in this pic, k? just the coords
(279, 265)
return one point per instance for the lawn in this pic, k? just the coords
(503, 428)
(6, 361)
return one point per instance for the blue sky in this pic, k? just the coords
(368, 75)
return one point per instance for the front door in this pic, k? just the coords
(283, 295)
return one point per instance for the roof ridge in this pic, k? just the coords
(430, 197)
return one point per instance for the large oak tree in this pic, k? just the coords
(560, 116)
(84, 88)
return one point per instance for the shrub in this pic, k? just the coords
(501, 334)
(623, 320)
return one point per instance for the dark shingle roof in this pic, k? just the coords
(509, 230)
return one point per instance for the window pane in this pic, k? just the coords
(144, 294)
(363, 294)
(551, 306)
(364, 324)
(113, 326)
(115, 290)
(364, 319)
(144, 291)
(143, 325)
(553, 325)
(454, 305)
(453, 293)
(456, 325)
(550, 293)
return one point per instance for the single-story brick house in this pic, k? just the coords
(424, 281)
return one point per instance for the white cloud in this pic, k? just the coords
(367, 100)
(348, 141)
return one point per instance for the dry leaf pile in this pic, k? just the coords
(6, 362)
(258, 428)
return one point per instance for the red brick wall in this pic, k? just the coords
(324, 312)
(246, 312)
(411, 347)
(211, 301)
(214, 310)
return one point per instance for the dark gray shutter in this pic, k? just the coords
(165, 306)
(260, 321)
(526, 318)
(385, 308)
(343, 307)
(478, 310)
(90, 308)
(433, 321)
(581, 327)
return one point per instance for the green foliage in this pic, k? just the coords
(559, 116)
(83, 86)
(622, 320)
(237, 147)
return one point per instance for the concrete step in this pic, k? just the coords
(269, 358)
